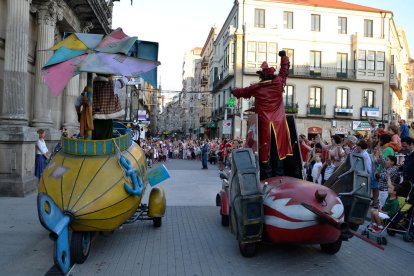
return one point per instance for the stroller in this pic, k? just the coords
(401, 222)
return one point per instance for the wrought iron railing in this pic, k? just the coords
(316, 110)
(292, 108)
(322, 72)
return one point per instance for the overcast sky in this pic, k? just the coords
(180, 25)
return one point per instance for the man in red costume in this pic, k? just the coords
(274, 137)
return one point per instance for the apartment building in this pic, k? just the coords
(349, 63)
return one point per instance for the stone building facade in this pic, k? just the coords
(347, 61)
(27, 29)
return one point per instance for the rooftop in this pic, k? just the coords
(331, 4)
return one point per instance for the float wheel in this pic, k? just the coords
(157, 222)
(225, 221)
(80, 246)
(407, 237)
(331, 248)
(248, 250)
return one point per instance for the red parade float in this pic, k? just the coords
(264, 196)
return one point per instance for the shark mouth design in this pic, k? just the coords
(281, 213)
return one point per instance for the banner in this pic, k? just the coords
(142, 115)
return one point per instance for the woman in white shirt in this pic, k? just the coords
(42, 153)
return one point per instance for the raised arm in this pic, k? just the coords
(284, 67)
(246, 92)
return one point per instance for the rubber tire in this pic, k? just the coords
(157, 222)
(331, 248)
(379, 240)
(407, 237)
(225, 220)
(390, 233)
(248, 250)
(80, 246)
(384, 241)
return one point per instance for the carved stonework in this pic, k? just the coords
(48, 12)
(87, 27)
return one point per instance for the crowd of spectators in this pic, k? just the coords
(217, 151)
(387, 153)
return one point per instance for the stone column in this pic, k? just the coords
(13, 98)
(17, 150)
(47, 15)
(71, 93)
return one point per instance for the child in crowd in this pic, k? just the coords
(316, 169)
(390, 209)
(329, 168)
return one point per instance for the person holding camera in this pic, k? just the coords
(272, 129)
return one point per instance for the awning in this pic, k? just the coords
(212, 124)
(314, 130)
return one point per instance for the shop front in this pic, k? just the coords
(211, 130)
(313, 132)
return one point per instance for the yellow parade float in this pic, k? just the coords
(91, 185)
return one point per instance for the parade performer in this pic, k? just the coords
(273, 130)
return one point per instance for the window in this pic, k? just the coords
(371, 60)
(315, 22)
(259, 18)
(289, 95)
(257, 52)
(251, 54)
(315, 96)
(392, 64)
(361, 59)
(315, 59)
(272, 54)
(342, 25)
(341, 64)
(368, 98)
(381, 61)
(368, 28)
(288, 20)
(342, 98)
(262, 51)
(226, 58)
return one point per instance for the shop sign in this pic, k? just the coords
(370, 111)
(344, 110)
(361, 125)
(315, 130)
(142, 115)
(341, 130)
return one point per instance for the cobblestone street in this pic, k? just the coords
(191, 241)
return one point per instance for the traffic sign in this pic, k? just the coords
(227, 127)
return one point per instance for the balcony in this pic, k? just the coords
(321, 72)
(343, 111)
(204, 81)
(204, 63)
(395, 85)
(316, 110)
(292, 108)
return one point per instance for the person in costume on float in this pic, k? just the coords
(273, 129)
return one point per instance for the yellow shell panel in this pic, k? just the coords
(92, 188)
